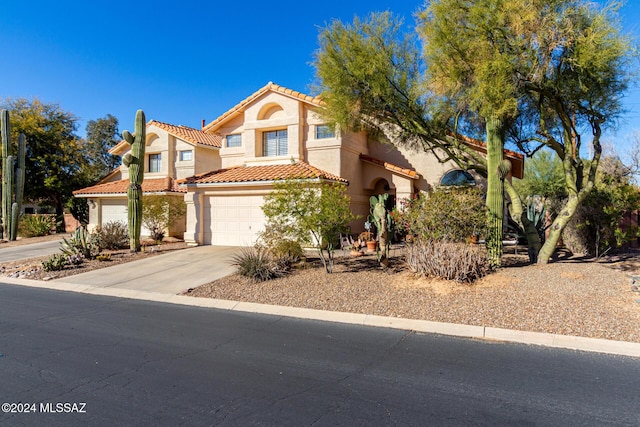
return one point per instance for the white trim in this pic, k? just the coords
(120, 195)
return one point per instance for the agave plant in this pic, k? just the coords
(81, 242)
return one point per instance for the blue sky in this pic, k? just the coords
(183, 61)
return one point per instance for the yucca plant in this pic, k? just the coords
(257, 264)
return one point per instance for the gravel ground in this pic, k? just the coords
(569, 297)
(32, 268)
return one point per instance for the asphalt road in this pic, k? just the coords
(126, 362)
(32, 250)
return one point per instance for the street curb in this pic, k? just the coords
(596, 345)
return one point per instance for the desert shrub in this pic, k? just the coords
(34, 225)
(55, 262)
(81, 243)
(159, 212)
(75, 259)
(314, 215)
(596, 226)
(113, 235)
(449, 214)
(257, 264)
(280, 245)
(448, 260)
(286, 252)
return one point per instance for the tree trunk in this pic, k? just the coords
(555, 231)
(495, 191)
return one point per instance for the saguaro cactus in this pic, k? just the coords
(134, 160)
(381, 218)
(12, 180)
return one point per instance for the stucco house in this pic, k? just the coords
(172, 153)
(234, 161)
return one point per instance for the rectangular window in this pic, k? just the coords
(324, 131)
(186, 155)
(154, 163)
(274, 143)
(234, 140)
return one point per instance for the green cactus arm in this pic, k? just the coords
(21, 169)
(15, 218)
(127, 159)
(126, 135)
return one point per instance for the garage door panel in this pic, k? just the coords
(234, 220)
(116, 210)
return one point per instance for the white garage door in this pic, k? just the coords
(114, 210)
(233, 220)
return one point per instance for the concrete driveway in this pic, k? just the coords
(173, 272)
(32, 250)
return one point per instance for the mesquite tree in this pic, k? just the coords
(531, 72)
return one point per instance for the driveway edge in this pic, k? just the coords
(488, 333)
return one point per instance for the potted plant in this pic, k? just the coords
(367, 238)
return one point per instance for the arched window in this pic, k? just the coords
(457, 177)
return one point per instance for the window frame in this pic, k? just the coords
(280, 142)
(325, 132)
(234, 135)
(470, 179)
(154, 159)
(180, 155)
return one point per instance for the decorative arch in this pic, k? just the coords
(151, 137)
(457, 177)
(271, 111)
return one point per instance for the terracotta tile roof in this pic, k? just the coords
(186, 133)
(300, 170)
(269, 87)
(109, 175)
(516, 159)
(154, 185)
(189, 134)
(409, 173)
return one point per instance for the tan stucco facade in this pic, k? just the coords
(227, 211)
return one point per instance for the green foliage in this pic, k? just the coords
(33, 225)
(55, 262)
(81, 243)
(370, 76)
(543, 176)
(257, 264)
(311, 213)
(134, 160)
(79, 208)
(113, 235)
(597, 225)
(159, 212)
(104, 257)
(448, 260)
(54, 156)
(102, 135)
(446, 214)
(282, 248)
(534, 71)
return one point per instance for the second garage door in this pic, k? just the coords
(233, 220)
